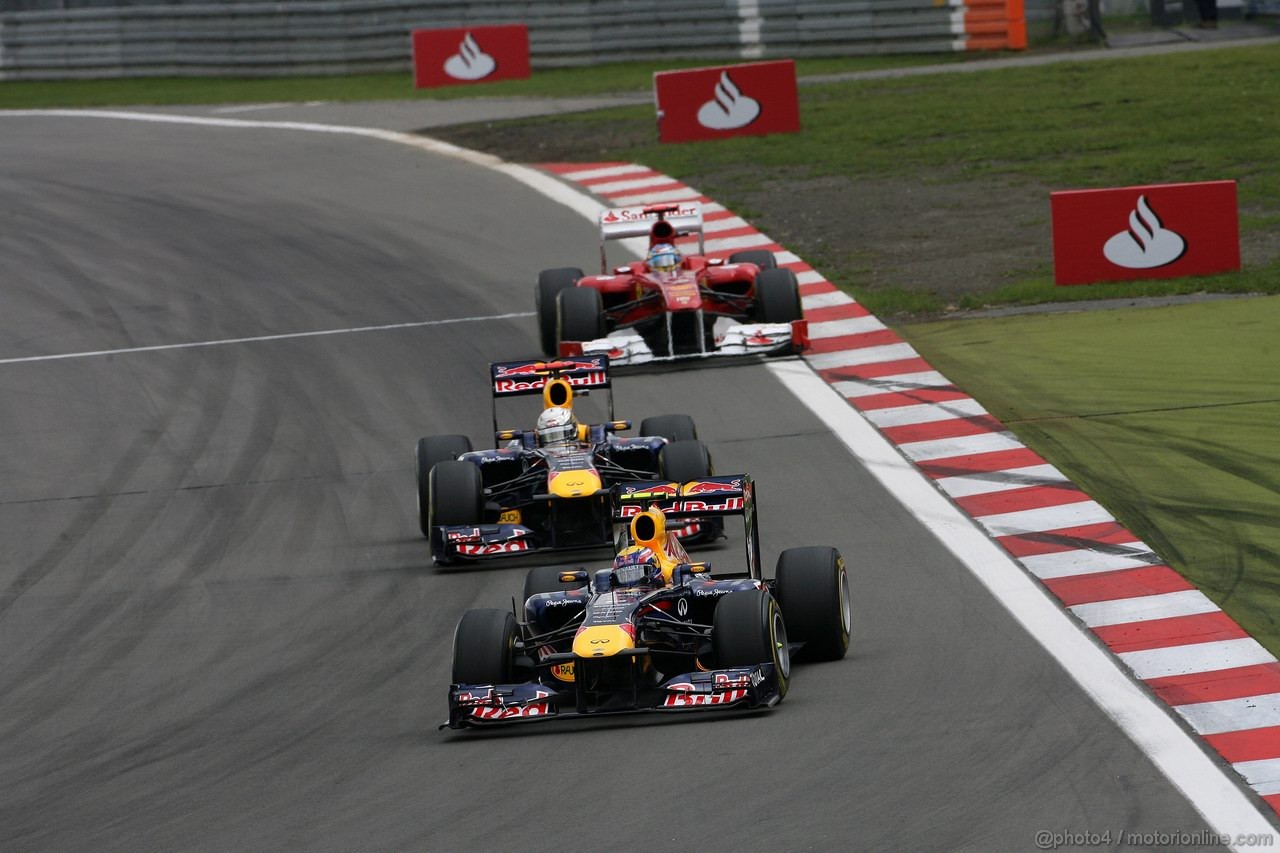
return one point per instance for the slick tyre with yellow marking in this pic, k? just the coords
(484, 647)
(813, 589)
(747, 629)
(430, 450)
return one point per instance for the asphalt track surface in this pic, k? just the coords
(221, 630)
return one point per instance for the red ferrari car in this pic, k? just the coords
(670, 306)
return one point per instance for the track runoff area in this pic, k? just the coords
(1035, 541)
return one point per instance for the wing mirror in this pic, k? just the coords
(573, 577)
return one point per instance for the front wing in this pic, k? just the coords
(625, 347)
(479, 705)
(474, 542)
(486, 541)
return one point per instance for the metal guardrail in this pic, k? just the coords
(48, 39)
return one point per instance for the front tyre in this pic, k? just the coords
(550, 283)
(670, 427)
(813, 589)
(747, 629)
(685, 461)
(484, 647)
(545, 579)
(580, 315)
(455, 495)
(762, 258)
(778, 296)
(430, 450)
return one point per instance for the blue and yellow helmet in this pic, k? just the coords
(635, 564)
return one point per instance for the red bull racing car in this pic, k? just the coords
(655, 632)
(547, 488)
(670, 306)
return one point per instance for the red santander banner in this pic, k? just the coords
(732, 100)
(470, 55)
(1157, 231)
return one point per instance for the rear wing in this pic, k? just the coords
(734, 494)
(684, 217)
(531, 376)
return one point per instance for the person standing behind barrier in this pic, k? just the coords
(1208, 14)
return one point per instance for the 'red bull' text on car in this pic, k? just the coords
(672, 305)
(548, 488)
(656, 631)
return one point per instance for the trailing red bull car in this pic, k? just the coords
(670, 306)
(547, 488)
(656, 631)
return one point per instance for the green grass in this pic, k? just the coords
(1073, 125)
(553, 83)
(1155, 119)
(1167, 416)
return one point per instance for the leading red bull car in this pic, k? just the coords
(655, 631)
(547, 488)
(675, 305)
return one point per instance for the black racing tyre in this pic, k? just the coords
(455, 495)
(748, 629)
(580, 315)
(813, 589)
(762, 258)
(545, 579)
(670, 427)
(484, 647)
(778, 297)
(683, 461)
(550, 283)
(430, 450)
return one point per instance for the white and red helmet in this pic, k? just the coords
(556, 426)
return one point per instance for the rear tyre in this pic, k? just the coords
(545, 579)
(748, 629)
(430, 450)
(455, 495)
(670, 427)
(778, 297)
(550, 283)
(580, 315)
(683, 461)
(762, 258)
(813, 590)
(484, 647)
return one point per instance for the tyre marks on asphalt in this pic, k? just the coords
(1170, 636)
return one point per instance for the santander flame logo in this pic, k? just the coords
(470, 62)
(1146, 243)
(729, 109)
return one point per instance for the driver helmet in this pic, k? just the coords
(635, 564)
(663, 257)
(556, 427)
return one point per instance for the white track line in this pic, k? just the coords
(259, 338)
(1217, 796)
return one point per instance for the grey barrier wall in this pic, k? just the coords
(50, 39)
